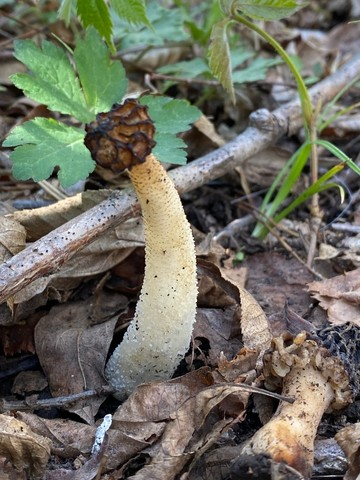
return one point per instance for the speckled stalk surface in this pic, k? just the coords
(160, 333)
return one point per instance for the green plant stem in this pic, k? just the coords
(303, 92)
(314, 164)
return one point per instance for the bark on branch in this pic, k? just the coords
(53, 250)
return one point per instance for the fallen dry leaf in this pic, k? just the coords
(26, 450)
(12, 238)
(72, 342)
(340, 297)
(349, 440)
(92, 468)
(184, 413)
(40, 221)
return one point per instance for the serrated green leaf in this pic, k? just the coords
(168, 26)
(269, 9)
(132, 11)
(169, 149)
(65, 10)
(256, 70)
(103, 80)
(43, 144)
(97, 14)
(171, 116)
(52, 81)
(219, 56)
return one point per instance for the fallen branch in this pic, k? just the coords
(53, 250)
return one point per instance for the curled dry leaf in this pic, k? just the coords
(72, 439)
(340, 297)
(255, 328)
(349, 440)
(26, 450)
(12, 238)
(72, 342)
(183, 407)
(90, 470)
(40, 221)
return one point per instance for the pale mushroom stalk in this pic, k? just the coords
(160, 333)
(321, 374)
(289, 436)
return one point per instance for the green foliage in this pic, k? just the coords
(170, 116)
(43, 144)
(285, 180)
(52, 81)
(187, 69)
(269, 9)
(66, 10)
(220, 63)
(168, 25)
(132, 11)
(103, 80)
(255, 71)
(219, 56)
(96, 13)
(197, 67)
(200, 19)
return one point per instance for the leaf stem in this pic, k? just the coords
(303, 92)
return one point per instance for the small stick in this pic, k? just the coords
(32, 403)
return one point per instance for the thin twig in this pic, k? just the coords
(32, 403)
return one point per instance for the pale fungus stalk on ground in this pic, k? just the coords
(160, 333)
(322, 375)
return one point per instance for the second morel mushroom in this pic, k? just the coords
(322, 374)
(160, 333)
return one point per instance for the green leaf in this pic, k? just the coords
(171, 116)
(53, 80)
(319, 186)
(43, 144)
(339, 154)
(219, 56)
(103, 80)
(286, 178)
(133, 11)
(269, 9)
(65, 10)
(187, 69)
(96, 13)
(168, 26)
(256, 70)
(169, 149)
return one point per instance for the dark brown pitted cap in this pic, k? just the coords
(121, 138)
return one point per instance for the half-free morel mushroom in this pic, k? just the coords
(322, 375)
(160, 333)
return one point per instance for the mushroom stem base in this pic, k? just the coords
(289, 436)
